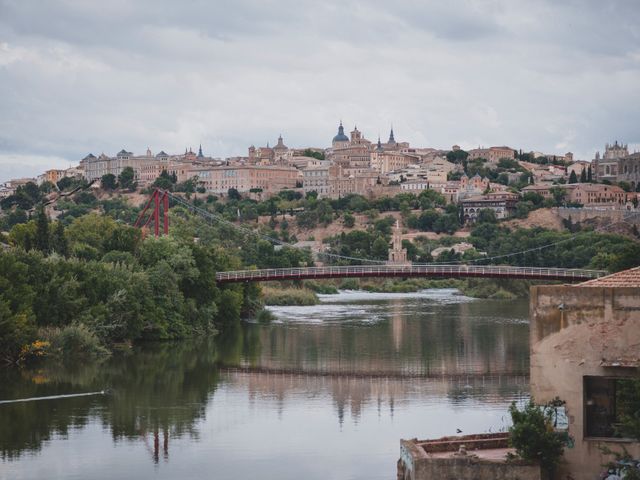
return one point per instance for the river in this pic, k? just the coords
(323, 392)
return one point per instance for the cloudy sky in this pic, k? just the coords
(80, 76)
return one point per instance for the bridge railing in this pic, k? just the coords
(409, 270)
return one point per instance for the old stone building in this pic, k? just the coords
(503, 205)
(492, 154)
(585, 349)
(617, 165)
(244, 178)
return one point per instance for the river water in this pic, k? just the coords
(323, 392)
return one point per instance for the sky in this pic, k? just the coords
(80, 76)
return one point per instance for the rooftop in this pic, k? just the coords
(625, 278)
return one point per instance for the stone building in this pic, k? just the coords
(492, 154)
(617, 165)
(503, 205)
(585, 349)
(586, 194)
(244, 178)
(315, 177)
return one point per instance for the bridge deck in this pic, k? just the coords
(427, 271)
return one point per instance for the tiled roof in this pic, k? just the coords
(625, 278)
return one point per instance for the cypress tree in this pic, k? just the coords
(589, 175)
(42, 232)
(59, 241)
(583, 176)
(573, 178)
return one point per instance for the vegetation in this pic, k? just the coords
(289, 296)
(95, 282)
(533, 437)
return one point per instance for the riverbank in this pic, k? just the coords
(284, 294)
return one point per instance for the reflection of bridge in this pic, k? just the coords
(402, 271)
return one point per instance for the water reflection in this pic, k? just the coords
(346, 370)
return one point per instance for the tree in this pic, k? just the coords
(533, 437)
(126, 178)
(349, 220)
(108, 181)
(380, 248)
(234, 194)
(59, 242)
(313, 154)
(583, 175)
(42, 232)
(589, 175)
(487, 215)
(573, 178)
(164, 181)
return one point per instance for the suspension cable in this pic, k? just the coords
(219, 219)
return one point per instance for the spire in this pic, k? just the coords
(379, 147)
(391, 138)
(200, 155)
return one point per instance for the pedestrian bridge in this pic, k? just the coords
(403, 271)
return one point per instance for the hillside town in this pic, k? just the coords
(492, 178)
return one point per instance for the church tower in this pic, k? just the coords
(397, 254)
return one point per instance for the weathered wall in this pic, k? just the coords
(572, 330)
(582, 214)
(417, 464)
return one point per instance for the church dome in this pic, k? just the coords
(340, 137)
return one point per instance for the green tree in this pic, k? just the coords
(533, 437)
(313, 154)
(59, 242)
(348, 220)
(164, 181)
(108, 181)
(233, 194)
(589, 175)
(126, 179)
(380, 248)
(487, 215)
(42, 232)
(573, 178)
(583, 175)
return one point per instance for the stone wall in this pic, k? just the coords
(574, 331)
(484, 459)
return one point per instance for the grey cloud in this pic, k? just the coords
(99, 76)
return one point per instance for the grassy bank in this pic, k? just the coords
(289, 296)
(476, 288)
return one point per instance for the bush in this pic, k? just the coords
(319, 287)
(533, 437)
(265, 316)
(75, 340)
(290, 296)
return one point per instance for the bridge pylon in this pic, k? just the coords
(158, 202)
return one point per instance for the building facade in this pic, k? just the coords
(244, 178)
(503, 205)
(584, 350)
(617, 165)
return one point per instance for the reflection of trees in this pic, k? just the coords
(448, 339)
(160, 390)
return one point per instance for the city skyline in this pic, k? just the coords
(547, 77)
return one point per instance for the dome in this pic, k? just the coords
(340, 137)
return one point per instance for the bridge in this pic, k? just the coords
(405, 271)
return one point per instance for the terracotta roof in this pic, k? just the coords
(625, 278)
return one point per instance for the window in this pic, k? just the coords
(607, 402)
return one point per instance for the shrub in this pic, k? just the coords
(289, 296)
(265, 316)
(533, 437)
(75, 340)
